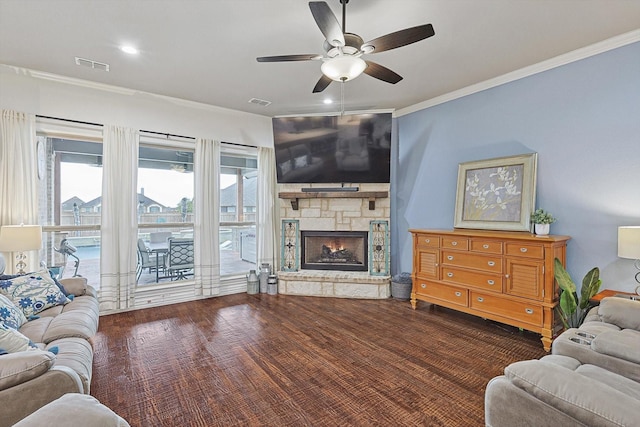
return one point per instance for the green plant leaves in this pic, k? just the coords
(564, 280)
(590, 286)
(569, 301)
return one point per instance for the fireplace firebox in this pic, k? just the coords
(334, 250)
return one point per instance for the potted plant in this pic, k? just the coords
(572, 310)
(541, 220)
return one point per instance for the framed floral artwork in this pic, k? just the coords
(496, 194)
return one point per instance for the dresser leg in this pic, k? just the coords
(414, 302)
(546, 343)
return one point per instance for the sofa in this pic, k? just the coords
(296, 164)
(58, 358)
(609, 337)
(71, 410)
(592, 377)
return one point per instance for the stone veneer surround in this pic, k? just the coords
(336, 214)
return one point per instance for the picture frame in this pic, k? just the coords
(497, 194)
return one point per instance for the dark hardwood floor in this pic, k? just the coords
(254, 360)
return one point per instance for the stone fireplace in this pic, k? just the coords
(335, 243)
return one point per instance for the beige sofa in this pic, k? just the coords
(32, 379)
(72, 410)
(591, 379)
(609, 337)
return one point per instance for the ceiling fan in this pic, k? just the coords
(343, 51)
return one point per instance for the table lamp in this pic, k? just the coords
(629, 247)
(20, 238)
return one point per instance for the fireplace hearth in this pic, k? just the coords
(334, 250)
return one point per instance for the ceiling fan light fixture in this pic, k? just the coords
(343, 68)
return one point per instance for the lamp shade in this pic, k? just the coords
(343, 68)
(20, 238)
(629, 242)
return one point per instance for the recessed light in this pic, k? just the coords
(328, 101)
(129, 49)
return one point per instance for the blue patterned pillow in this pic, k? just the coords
(33, 293)
(12, 341)
(10, 315)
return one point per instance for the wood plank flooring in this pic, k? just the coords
(261, 360)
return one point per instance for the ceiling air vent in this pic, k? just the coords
(92, 64)
(261, 102)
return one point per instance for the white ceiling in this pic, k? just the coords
(206, 51)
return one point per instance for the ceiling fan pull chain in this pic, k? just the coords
(342, 98)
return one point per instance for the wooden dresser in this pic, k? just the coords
(498, 275)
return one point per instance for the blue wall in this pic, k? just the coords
(583, 120)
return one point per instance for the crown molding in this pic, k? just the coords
(42, 75)
(558, 61)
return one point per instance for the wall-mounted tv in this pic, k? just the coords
(333, 149)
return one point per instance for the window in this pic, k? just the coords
(165, 214)
(69, 207)
(238, 197)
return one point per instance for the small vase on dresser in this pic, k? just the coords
(541, 229)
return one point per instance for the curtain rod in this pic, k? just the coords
(69, 120)
(145, 131)
(167, 135)
(239, 145)
(190, 137)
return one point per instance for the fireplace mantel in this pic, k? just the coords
(371, 195)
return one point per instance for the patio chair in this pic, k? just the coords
(147, 259)
(179, 261)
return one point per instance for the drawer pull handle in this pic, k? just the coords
(523, 250)
(454, 243)
(491, 282)
(528, 310)
(449, 274)
(491, 263)
(506, 275)
(423, 285)
(427, 240)
(458, 294)
(480, 299)
(485, 246)
(450, 257)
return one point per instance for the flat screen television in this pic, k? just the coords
(333, 149)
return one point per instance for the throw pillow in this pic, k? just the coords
(300, 162)
(33, 293)
(59, 285)
(12, 341)
(285, 167)
(11, 315)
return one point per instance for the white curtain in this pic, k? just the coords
(207, 217)
(18, 179)
(268, 212)
(119, 221)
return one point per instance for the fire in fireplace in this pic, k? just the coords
(334, 250)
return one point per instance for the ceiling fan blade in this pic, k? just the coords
(327, 22)
(285, 58)
(382, 73)
(322, 84)
(398, 39)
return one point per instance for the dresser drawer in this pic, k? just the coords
(522, 311)
(529, 250)
(442, 292)
(490, 263)
(486, 246)
(460, 243)
(427, 240)
(488, 281)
